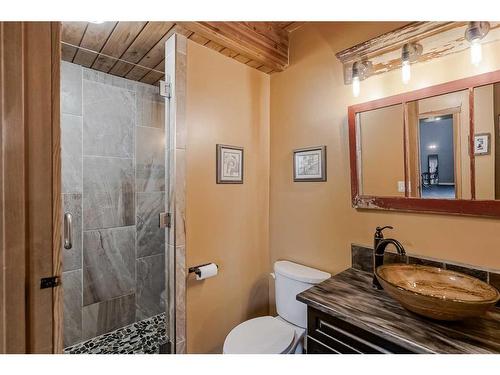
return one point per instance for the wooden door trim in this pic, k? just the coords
(57, 294)
(13, 211)
(30, 209)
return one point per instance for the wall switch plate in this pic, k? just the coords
(401, 186)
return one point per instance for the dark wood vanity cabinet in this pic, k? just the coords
(327, 334)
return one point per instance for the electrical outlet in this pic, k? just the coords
(401, 186)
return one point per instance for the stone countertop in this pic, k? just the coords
(349, 296)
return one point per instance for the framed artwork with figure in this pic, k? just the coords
(482, 144)
(229, 160)
(309, 164)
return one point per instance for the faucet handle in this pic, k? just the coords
(378, 231)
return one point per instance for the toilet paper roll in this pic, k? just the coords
(206, 271)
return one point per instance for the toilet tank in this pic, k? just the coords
(291, 279)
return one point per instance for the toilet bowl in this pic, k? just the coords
(265, 335)
(283, 334)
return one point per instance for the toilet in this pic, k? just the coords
(283, 334)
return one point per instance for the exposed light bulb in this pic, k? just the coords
(355, 86)
(406, 71)
(476, 51)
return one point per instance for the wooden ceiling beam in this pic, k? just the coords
(135, 50)
(263, 42)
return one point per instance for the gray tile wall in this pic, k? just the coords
(113, 181)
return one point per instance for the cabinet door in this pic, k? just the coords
(345, 338)
(316, 347)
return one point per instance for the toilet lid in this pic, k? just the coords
(264, 335)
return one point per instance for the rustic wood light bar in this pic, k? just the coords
(437, 38)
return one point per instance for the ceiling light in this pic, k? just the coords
(474, 33)
(409, 53)
(97, 22)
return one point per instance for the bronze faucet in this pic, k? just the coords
(379, 245)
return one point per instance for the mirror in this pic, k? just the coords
(486, 138)
(381, 161)
(438, 147)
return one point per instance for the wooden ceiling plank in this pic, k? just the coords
(283, 24)
(214, 45)
(229, 52)
(242, 59)
(265, 69)
(68, 52)
(271, 32)
(153, 58)
(239, 41)
(246, 34)
(122, 37)
(294, 26)
(152, 77)
(254, 64)
(94, 39)
(199, 39)
(72, 33)
(147, 39)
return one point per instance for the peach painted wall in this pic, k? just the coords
(314, 223)
(228, 103)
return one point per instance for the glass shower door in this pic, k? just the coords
(116, 268)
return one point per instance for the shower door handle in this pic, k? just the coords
(68, 231)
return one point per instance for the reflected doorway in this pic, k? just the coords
(437, 157)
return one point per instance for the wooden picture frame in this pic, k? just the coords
(229, 164)
(309, 164)
(470, 207)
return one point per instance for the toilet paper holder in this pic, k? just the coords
(196, 269)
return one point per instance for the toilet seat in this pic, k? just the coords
(263, 335)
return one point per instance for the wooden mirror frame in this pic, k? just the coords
(471, 207)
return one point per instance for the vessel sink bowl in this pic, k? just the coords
(435, 292)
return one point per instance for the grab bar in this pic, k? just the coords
(68, 231)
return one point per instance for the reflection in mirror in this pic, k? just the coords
(438, 153)
(486, 135)
(381, 152)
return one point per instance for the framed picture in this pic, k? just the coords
(229, 164)
(482, 144)
(309, 164)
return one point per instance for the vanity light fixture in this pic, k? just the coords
(409, 53)
(360, 70)
(474, 33)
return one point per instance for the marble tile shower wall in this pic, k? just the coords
(113, 181)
